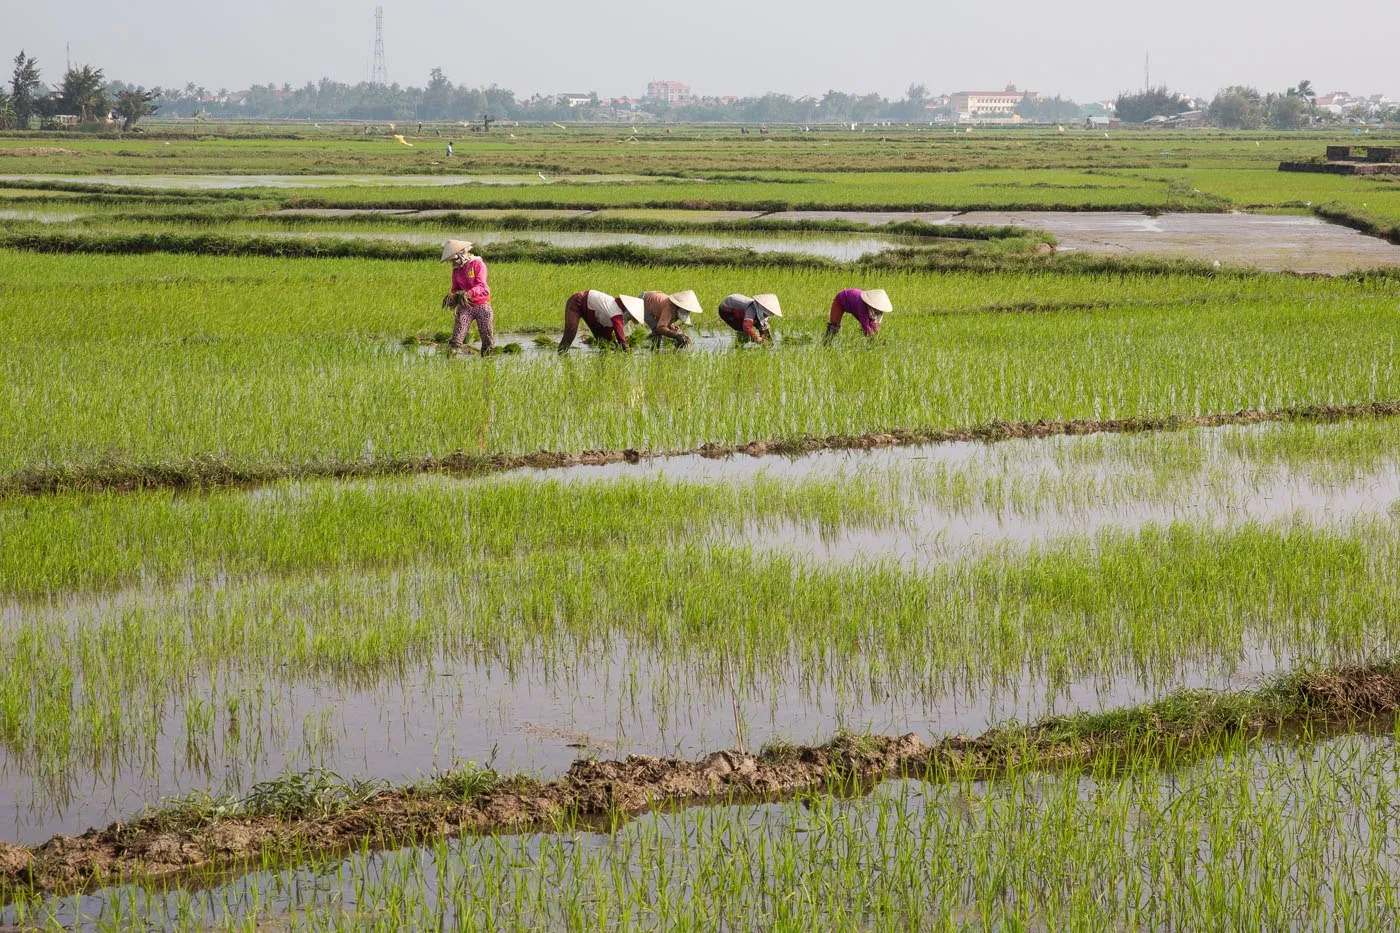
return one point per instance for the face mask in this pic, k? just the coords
(682, 317)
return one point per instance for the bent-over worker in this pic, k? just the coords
(603, 313)
(749, 316)
(867, 307)
(665, 315)
(470, 296)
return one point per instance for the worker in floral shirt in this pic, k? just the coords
(750, 316)
(470, 296)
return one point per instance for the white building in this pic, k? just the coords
(969, 105)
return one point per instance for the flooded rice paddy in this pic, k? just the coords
(842, 247)
(1270, 242)
(534, 706)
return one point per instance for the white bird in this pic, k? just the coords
(542, 178)
(1105, 136)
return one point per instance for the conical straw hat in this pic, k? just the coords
(770, 304)
(877, 300)
(686, 301)
(633, 306)
(453, 247)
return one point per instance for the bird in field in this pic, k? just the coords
(542, 178)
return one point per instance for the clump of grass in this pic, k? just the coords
(461, 784)
(780, 751)
(195, 810)
(313, 794)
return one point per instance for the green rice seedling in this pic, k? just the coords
(1222, 346)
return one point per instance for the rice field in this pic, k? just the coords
(272, 567)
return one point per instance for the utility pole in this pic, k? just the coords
(381, 70)
(1147, 71)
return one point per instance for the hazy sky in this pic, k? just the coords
(1086, 49)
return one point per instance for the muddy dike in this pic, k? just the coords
(214, 473)
(302, 815)
(1338, 213)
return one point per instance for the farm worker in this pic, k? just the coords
(449, 148)
(470, 296)
(603, 313)
(867, 307)
(664, 315)
(749, 316)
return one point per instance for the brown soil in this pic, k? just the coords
(212, 474)
(36, 150)
(612, 791)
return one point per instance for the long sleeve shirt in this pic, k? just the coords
(744, 315)
(850, 302)
(658, 313)
(600, 311)
(471, 279)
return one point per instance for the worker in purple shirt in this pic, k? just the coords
(867, 307)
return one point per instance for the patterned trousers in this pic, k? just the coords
(485, 326)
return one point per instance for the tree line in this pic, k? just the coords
(1240, 107)
(86, 93)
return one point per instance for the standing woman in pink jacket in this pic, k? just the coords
(470, 296)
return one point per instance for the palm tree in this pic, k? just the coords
(1305, 91)
(84, 90)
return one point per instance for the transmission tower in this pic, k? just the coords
(380, 74)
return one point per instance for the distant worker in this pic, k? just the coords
(470, 296)
(603, 313)
(665, 315)
(449, 148)
(749, 316)
(867, 307)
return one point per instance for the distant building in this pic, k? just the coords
(982, 104)
(576, 100)
(668, 92)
